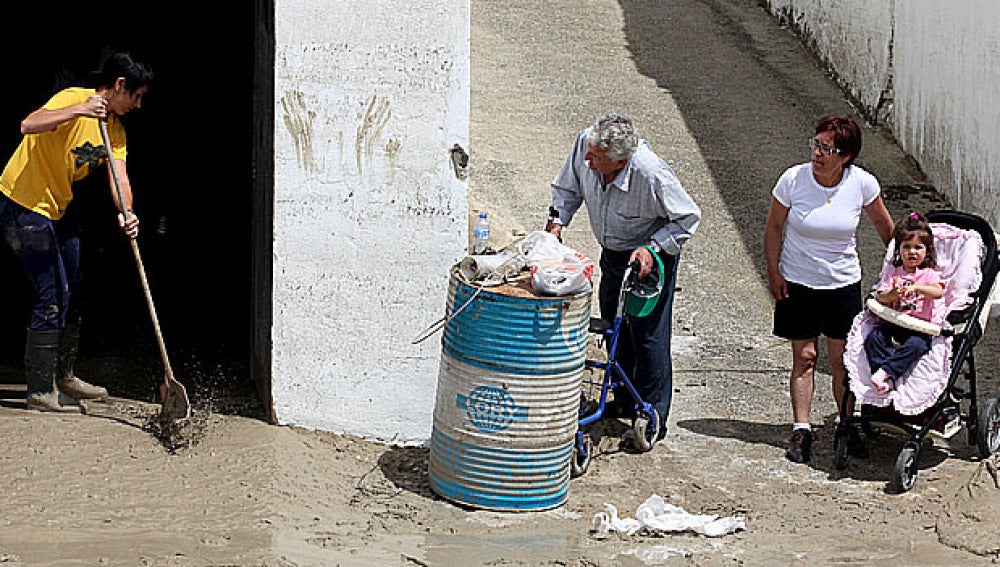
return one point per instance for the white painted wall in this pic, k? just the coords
(852, 37)
(947, 68)
(370, 95)
(942, 60)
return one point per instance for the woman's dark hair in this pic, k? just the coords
(121, 64)
(846, 134)
(915, 224)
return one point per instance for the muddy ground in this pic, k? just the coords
(729, 99)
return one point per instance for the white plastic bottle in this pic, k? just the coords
(481, 234)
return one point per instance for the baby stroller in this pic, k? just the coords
(636, 298)
(927, 400)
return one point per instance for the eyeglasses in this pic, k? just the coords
(825, 149)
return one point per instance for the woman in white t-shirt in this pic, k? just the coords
(812, 262)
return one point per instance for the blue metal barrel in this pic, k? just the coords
(508, 397)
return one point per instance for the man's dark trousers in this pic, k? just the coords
(644, 350)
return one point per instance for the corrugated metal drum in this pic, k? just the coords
(508, 397)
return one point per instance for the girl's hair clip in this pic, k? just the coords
(914, 216)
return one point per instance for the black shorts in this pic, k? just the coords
(808, 313)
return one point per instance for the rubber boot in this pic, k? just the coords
(68, 382)
(41, 356)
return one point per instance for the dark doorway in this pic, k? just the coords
(190, 162)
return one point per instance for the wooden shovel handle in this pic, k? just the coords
(169, 374)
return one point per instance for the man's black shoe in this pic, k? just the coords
(800, 446)
(662, 432)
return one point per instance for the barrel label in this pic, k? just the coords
(490, 408)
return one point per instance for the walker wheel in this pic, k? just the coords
(645, 431)
(905, 474)
(581, 457)
(989, 428)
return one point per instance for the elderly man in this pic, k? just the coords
(637, 207)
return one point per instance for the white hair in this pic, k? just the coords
(616, 134)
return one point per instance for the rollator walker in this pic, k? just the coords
(636, 298)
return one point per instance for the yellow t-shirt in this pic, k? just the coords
(40, 174)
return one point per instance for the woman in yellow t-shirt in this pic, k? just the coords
(62, 144)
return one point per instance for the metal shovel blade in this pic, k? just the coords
(175, 400)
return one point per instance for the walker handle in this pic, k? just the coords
(632, 274)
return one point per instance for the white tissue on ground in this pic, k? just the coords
(656, 516)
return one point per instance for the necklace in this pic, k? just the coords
(830, 192)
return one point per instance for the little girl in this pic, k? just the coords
(912, 287)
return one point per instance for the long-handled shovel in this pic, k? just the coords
(175, 398)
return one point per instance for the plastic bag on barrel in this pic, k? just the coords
(556, 269)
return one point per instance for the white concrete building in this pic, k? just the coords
(369, 210)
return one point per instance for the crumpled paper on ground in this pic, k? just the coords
(656, 516)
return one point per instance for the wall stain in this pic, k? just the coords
(392, 148)
(298, 119)
(377, 115)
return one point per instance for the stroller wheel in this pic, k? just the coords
(581, 457)
(989, 428)
(645, 431)
(905, 474)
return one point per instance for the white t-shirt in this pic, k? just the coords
(819, 249)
